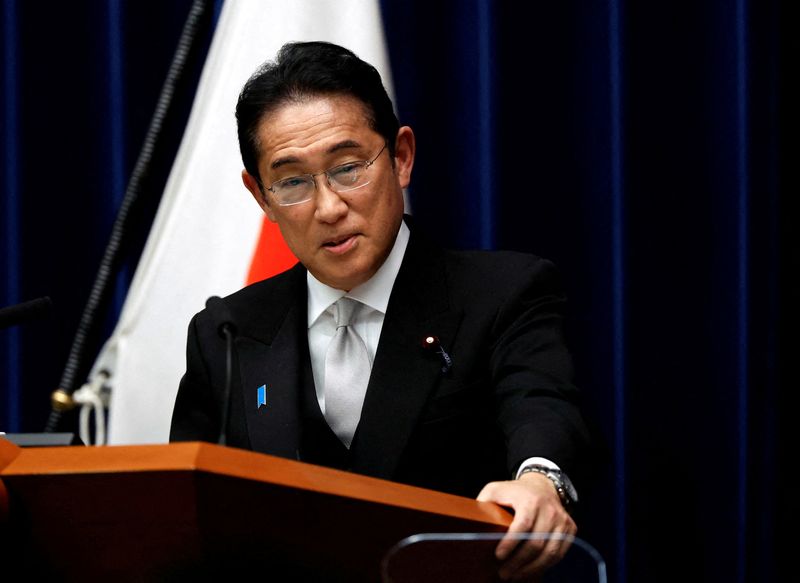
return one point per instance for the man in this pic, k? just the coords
(380, 353)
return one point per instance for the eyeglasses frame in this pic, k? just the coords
(367, 165)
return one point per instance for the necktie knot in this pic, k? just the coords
(344, 311)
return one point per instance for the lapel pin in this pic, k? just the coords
(432, 343)
(262, 396)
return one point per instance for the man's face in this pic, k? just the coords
(341, 238)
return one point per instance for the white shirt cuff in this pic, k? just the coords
(539, 461)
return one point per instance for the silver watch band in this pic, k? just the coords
(566, 491)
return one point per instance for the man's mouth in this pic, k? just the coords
(340, 244)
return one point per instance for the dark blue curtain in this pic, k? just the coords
(80, 84)
(642, 146)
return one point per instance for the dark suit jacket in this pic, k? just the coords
(508, 395)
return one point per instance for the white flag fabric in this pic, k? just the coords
(205, 233)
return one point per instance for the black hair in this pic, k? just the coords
(307, 69)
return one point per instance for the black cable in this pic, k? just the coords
(109, 264)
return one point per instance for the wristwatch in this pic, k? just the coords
(566, 491)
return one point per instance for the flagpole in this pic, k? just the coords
(200, 14)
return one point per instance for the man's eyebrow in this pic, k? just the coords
(283, 161)
(343, 145)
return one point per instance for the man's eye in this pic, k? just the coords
(293, 182)
(346, 170)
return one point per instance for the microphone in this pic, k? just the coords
(226, 329)
(25, 312)
(219, 310)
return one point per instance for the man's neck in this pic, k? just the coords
(374, 292)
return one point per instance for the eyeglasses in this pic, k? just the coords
(341, 178)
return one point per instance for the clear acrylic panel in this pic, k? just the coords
(469, 558)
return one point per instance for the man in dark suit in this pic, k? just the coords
(452, 372)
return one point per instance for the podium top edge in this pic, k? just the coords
(242, 464)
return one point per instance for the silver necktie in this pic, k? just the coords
(347, 372)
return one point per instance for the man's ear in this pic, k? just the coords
(251, 184)
(405, 147)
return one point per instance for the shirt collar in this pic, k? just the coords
(374, 292)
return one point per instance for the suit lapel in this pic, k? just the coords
(273, 353)
(404, 373)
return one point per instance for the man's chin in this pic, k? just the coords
(344, 279)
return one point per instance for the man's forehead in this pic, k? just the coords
(318, 125)
(310, 111)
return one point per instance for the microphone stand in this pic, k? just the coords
(225, 328)
(200, 14)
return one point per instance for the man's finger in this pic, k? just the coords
(522, 523)
(508, 494)
(537, 554)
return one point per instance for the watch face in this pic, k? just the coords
(569, 488)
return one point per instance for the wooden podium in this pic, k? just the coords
(196, 512)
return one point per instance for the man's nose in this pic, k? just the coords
(330, 206)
